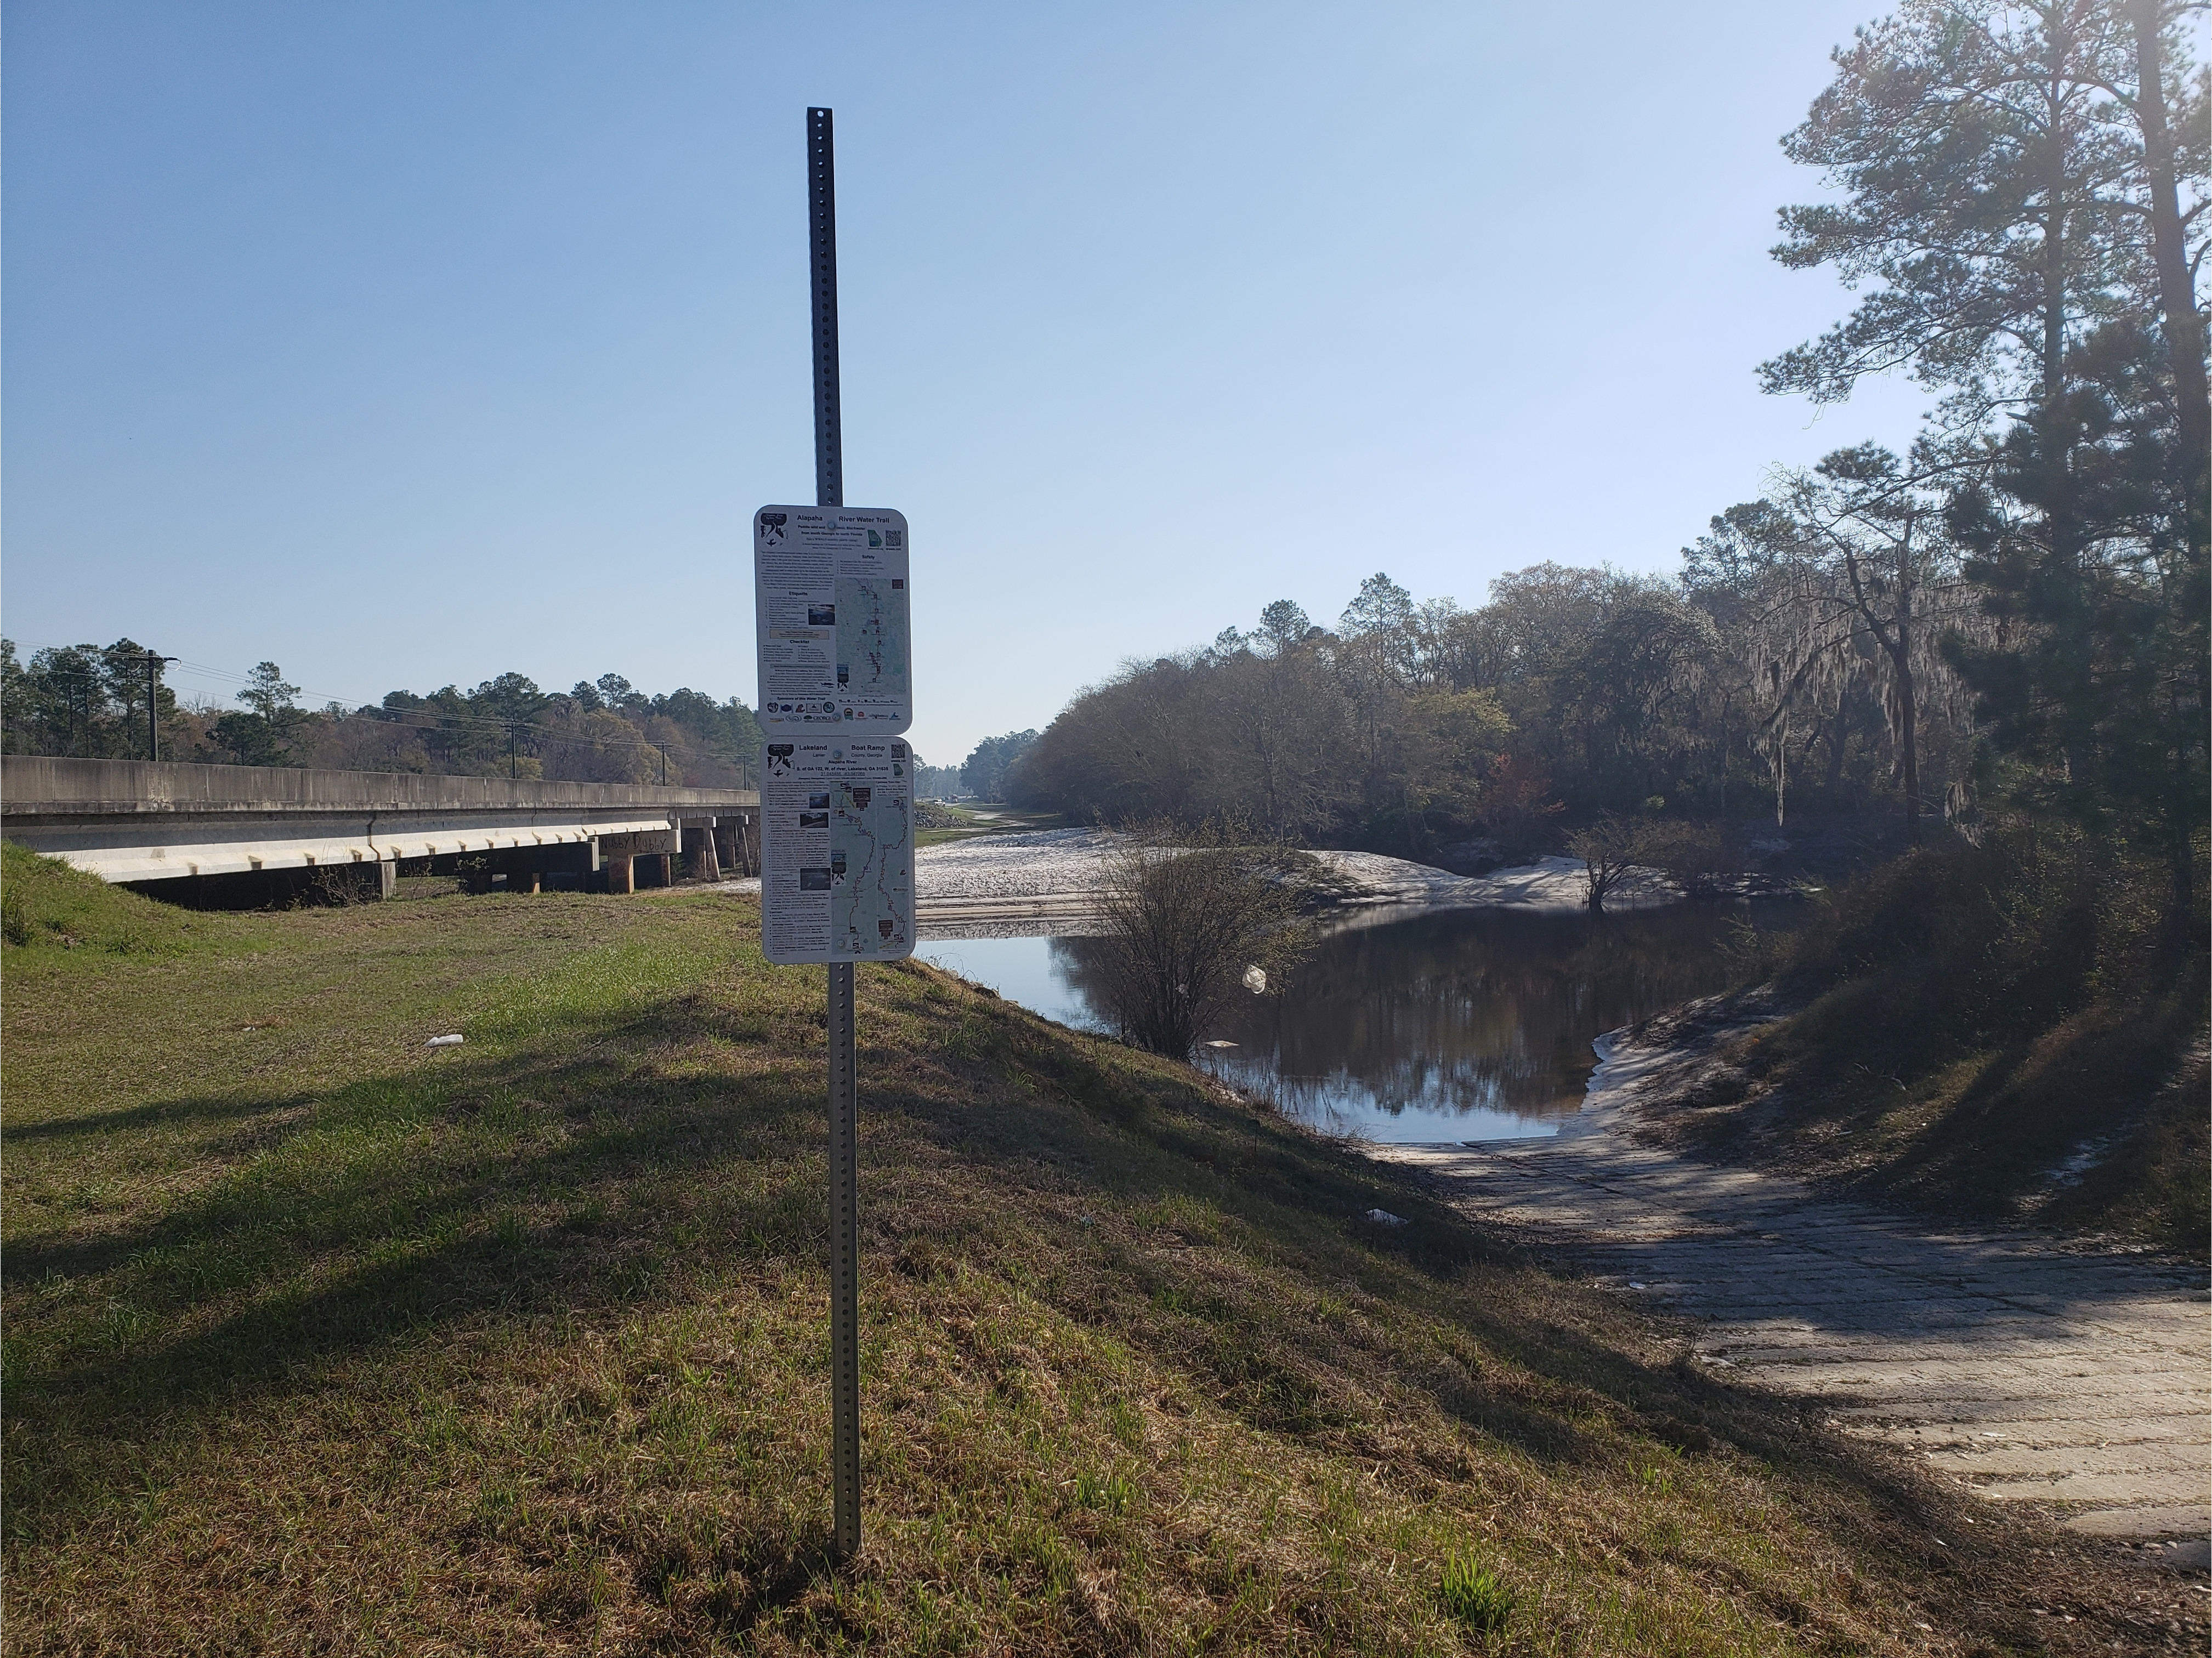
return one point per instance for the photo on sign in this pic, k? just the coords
(814, 820)
(814, 880)
(821, 616)
(818, 801)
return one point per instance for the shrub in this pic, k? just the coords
(1701, 859)
(1190, 913)
(1978, 1021)
(1475, 1595)
(2023, 930)
(15, 914)
(1609, 848)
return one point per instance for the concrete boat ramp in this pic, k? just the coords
(2075, 1380)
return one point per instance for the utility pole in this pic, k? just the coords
(154, 661)
(844, 1094)
(513, 766)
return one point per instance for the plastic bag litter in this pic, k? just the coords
(1385, 1217)
(454, 1041)
(1218, 1042)
(1255, 980)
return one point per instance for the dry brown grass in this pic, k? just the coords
(320, 1341)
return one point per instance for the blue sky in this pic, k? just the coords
(409, 343)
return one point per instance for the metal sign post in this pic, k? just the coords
(833, 632)
(844, 1087)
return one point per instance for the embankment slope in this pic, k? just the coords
(317, 1337)
(1994, 1035)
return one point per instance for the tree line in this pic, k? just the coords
(92, 701)
(2008, 620)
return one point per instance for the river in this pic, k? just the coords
(1446, 1025)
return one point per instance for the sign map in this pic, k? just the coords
(837, 796)
(871, 870)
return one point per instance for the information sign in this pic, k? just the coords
(838, 850)
(831, 614)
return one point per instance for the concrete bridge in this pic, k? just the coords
(223, 835)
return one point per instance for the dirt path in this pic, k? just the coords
(2080, 1381)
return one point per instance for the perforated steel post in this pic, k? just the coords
(844, 1085)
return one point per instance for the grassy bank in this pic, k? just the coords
(1999, 1034)
(319, 1339)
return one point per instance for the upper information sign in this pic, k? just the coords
(830, 604)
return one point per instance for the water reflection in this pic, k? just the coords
(1467, 1024)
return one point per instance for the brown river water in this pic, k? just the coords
(1443, 1025)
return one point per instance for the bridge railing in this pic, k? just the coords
(140, 820)
(37, 784)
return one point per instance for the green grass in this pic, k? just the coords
(55, 917)
(318, 1340)
(1476, 1596)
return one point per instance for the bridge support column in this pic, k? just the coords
(699, 850)
(388, 877)
(523, 880)
(620, 876)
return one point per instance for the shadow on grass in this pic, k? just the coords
(165, 1113)
(1959, 1117)
(593, 1176)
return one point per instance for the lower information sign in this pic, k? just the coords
(838, 850)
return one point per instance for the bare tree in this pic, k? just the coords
(1609, 848)
(1870, 584)
(1285, 740)
(1191, 912)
